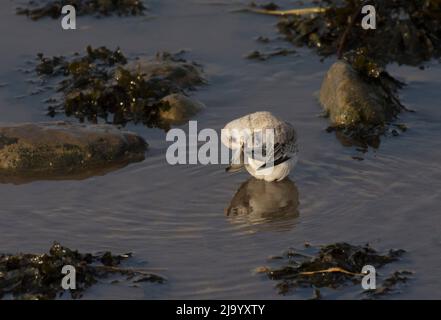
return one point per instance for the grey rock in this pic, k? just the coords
(349, 100)
(181, 73)
(181, 108)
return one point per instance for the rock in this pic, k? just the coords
(181, 73)
(181, 108)
(54, 149)
(350, 100)
(102, 84)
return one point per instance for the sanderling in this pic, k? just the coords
(279, 157)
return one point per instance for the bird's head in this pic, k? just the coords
(233, 135)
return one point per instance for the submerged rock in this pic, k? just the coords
(180, 108)
(61, 149)
(332, 266)
(39, 276)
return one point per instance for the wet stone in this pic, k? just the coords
(180, 108)
(350, 100)
(182, 73)
(104, 84)
(360, 103)
(61, 149)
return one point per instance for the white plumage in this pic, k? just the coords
(283, 154)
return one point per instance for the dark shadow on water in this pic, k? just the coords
(265, 206)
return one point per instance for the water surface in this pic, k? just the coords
(173, 217)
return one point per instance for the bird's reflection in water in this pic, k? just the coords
(263, 205)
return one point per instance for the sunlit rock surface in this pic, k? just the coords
(181, 108)
(60, 149)
(351, 101)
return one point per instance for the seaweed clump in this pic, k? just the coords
(407, 31)
(39, 276)
(391, 284)
(40, 9)
(102, 84)
(333, 266)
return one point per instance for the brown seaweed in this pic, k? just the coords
(332, 266)
(408, 31)
(99, 84)
(39, 9)
(39, 276)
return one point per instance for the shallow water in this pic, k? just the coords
(172, 217)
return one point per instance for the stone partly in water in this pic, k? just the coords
(181, 73)
(359, 105)
(60, 149)
(103, 84)
(180, 108)
(351, 101)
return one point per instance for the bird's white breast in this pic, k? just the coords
(277, 173)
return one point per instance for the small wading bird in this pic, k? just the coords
(275, 159)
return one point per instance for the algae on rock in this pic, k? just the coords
(104, 84)
(360, 98)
